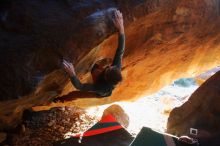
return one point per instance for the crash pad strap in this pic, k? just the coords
(104, 125)
(107, 118)
(107, 124)
(100, 131)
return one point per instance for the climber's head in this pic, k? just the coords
(113, 75)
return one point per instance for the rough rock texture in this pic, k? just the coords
(165, 40)
(37, 35)
(201, 111)
(173, 39)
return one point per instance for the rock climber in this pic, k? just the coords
(105, 78)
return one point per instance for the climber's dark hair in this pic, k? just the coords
(113, 75)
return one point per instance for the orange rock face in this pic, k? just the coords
(173, 41)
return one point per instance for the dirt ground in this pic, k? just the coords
(45, 127)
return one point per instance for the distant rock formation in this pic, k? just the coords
(204, 76)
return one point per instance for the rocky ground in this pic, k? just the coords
(44, 128)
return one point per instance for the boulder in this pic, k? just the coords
(200, 112)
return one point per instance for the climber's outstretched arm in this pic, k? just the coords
(82, 87)
(69, 68)
(119, 24)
